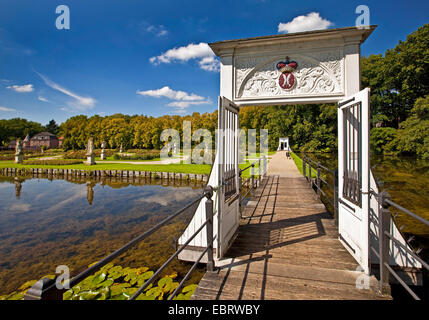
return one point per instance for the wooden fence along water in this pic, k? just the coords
(170, 176)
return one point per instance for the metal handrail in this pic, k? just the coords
(46, 289)
(317, 182)
(384, 218)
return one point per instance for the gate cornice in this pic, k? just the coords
(328, 67)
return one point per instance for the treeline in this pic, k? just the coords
(399, 83)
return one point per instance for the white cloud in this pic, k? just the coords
(171, 94)
(6, 109)
(22, 89)
(80, 103)
(42, 99)
(182, 98)
(201, 52)
(311, 21)
(159, 31)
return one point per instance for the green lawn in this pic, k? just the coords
(180, 168)
(298, 163)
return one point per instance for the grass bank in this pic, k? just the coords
(298, 163)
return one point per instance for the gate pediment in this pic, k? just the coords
(326, 69)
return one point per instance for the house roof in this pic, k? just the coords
(44, 134)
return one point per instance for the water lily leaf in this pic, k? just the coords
(115, 275)
(173, 275)
(146, 275)
(121, 296)
(118, 288)
(27, 285)
(164, 282)
(104, 294)
(68, 295)
(115, 269)
(106, 283)
(154, 292)
(170, 287)
(99, 278)
(130, 291)
(88, 295)
(141, 270)
(107, 267)
(50, 276)
(76, 289)
(189, 288)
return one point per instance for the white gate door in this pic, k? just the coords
(228, 168)
(353, 176)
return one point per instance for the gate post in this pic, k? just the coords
(209, 228)
(383, 226)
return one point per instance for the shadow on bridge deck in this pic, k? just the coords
(286, 248)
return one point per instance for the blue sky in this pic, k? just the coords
(151, 57)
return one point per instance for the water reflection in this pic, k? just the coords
(77, 221)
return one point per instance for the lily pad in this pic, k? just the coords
(88, 295)
(190, 288)
(27, 285)
(68, 295)
(99, 278)
(106, 283)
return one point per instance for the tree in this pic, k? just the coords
(52, 127)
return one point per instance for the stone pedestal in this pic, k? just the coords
(18, 158)
(90, 160)
(102, 157)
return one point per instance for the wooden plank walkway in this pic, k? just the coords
(287, 248)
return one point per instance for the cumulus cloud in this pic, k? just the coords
(21, 89)
(311, 21)
(200, 52)
(182, 98)
(79, 102)
(6, 109)
(171, 94)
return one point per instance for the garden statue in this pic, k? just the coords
(90, 152)
(120, 149)
(103, 145)
(18, 151)
(89, 192)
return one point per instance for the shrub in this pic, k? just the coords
(55, 162)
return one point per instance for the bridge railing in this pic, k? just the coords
(253, 181)
(318, 181)
(47, 289)
(385, 236)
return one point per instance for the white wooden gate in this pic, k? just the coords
(228, 168)
(224, 179)
(353, 172)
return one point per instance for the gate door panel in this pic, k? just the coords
(228, 167)
(353, 171)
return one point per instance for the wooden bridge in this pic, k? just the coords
(287, 247)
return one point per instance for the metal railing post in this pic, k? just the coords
(383, 226)
(336, 197)
(252, 172)
(260, 171)
(304, 167)
(44, 289)
(239, 187)
(309, 173)
(209, 228)
(318, 179)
